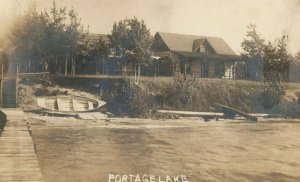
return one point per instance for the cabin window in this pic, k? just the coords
(203, 49)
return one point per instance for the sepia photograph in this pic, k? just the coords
(150, 91)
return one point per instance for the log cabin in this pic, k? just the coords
(200, 56)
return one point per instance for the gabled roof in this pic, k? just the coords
(197, 43)
(187, 43)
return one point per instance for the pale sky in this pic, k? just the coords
(221, 18)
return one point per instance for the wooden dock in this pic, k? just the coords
(18, 161)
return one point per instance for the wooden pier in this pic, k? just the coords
(18, 161)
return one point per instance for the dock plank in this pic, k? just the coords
(18, 161)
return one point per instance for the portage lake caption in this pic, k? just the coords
(146, 178)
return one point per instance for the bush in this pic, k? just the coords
(179, 92)
(272, 94)
(130, 99)
(287, 109)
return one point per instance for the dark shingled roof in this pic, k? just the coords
(187, 43)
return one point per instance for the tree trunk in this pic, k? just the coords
(59, 67)
(56, 68)
(139, 74)
(158, 68)
(66, 66)
(103, 66)
(173, 69)
(46, 66)
(135, 79)
(29, 66)
(125, 70)
(106, 69)
(73, 67)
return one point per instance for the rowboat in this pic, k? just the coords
(69, 104)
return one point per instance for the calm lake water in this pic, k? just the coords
(208, 152)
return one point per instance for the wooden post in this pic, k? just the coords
(106, 68)
(246, 71)
(17, 83)
(73, 67)
(138, 73)
(1, 89)
(135, 79)
(158, 68)
(66, 67)
(103, 67)
(29, 66)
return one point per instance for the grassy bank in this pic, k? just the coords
(124, 98)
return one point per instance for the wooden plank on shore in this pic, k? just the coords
(92, 115)
(189, 113)
(232, 110)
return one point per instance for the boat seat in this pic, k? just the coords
(41, 102)
(90, 104)
(75, 105)
(63, 105)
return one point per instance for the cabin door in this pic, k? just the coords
(219, 69)
(205, 69)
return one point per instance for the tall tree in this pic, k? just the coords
(46, 40)
(276, 60)
(131, 40)
(253, 46)
(26, 38)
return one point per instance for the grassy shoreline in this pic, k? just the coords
(125, 98)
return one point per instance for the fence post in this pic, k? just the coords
(1, 92)
(17, 83)
(66, 67)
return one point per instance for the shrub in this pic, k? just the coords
(272, 94)
(179, 93)
(128, 98)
